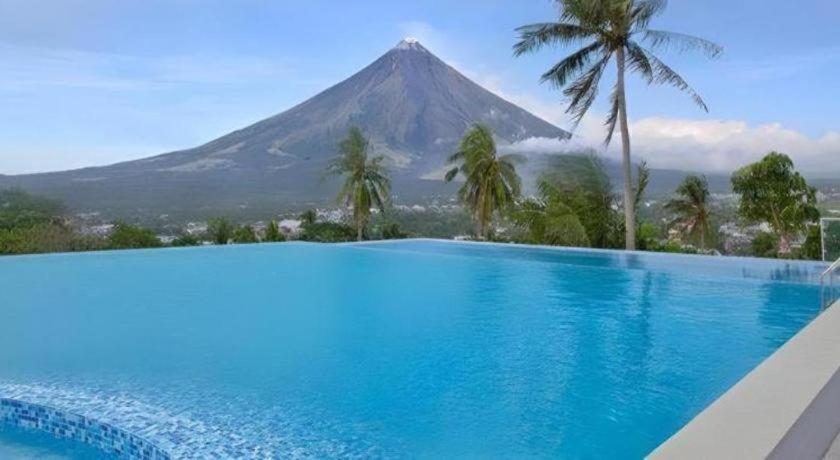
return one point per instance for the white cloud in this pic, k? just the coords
(723, 145)
(703, 145)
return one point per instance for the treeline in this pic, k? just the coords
(31, 224)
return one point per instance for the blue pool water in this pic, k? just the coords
(411, 348)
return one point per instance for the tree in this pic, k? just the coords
(328, 232)
(691, 206)
(392, 231)
(126, 236)
(549, 220)
(19, 208)
(610, 29)
(273, 233)
(773, 192)
(308, 217)
(185, 239)
(220, 230)
(812, 247)
(491, 183)
(245, 234)
(366, 183)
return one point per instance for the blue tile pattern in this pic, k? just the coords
(106, 437)
(174, 434)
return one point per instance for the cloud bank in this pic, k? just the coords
(705, 145)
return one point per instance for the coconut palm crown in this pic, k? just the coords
(610, 29)
(691, 206)
(491, 183)
(366, 182)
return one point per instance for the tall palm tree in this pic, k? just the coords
(691, 206)
(490, 181)
(366, 183)
(610, 28)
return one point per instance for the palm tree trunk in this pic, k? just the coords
(629, 201)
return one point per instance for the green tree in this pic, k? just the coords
(765, 244)
(125, 236)
(185, 239)
(366, 183)
(773, 192)
(549, 220)
(610, 29)
(491, 183)
(328, 232)
(308, 217)
(220, 230)
(691, 206)
(812, 248)
(392, 231)
(581, 182)
(47, 237)
(19, 208)
(245, 234)
(273, 233)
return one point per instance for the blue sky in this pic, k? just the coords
(91, 82)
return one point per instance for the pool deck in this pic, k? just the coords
(787, 407)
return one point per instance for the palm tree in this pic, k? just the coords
(308, 217)
(610, 28)
(366, 183)
(692, 208)
(490, 181)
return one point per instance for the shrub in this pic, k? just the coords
(765, 244)
(273, 233)
(245, 234)
(186, 240)
(328, 232)
(126, 236)
(220, 230)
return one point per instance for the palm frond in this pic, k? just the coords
(534, 36)
(663, 74)
(642, 11)
(559, 74)
(584, 90)
(680, 42)
(612, 116)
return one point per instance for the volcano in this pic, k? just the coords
(412, 105)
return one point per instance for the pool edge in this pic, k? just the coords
(786, 407)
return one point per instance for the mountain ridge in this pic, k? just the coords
(412, 105)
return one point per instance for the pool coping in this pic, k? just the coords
(786, 407)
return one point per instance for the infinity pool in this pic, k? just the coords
(413, 348)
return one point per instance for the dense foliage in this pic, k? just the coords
(124, 236)
(220, 230)
(245, 234)
(328, 232)
(273, 233)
